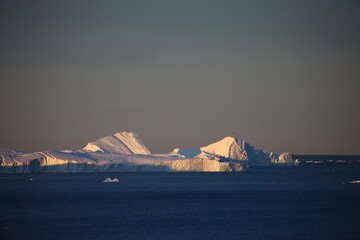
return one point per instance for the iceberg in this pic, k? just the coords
(124, 152)
(241, 151)
(111, 180)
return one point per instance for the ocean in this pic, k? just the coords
(314, 200)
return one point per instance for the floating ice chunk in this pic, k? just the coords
(356, 181)
(113, 180)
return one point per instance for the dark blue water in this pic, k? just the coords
(312, 201)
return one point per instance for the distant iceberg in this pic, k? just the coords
(355, 181)
(111, 180)
(124, 152)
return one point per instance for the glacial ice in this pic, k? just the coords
(123, 142)
(240, 150)
(124, 152)
(111, 180)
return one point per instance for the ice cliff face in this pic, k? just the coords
(124, 152)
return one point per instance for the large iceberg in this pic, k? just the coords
(124, 152)
(241, 151)
(121, 152)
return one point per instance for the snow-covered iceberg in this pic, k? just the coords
(124, 152)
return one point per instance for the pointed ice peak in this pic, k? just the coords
(227, 147)
(239, 149)
(121, 142)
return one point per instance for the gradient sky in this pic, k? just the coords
(284, 75)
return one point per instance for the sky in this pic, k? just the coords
(283, 75)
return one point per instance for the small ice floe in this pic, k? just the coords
(356, 181)
(111, 180)
(31, 179)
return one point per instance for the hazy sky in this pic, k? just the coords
(284, 75)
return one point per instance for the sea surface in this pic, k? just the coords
(312, 201)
